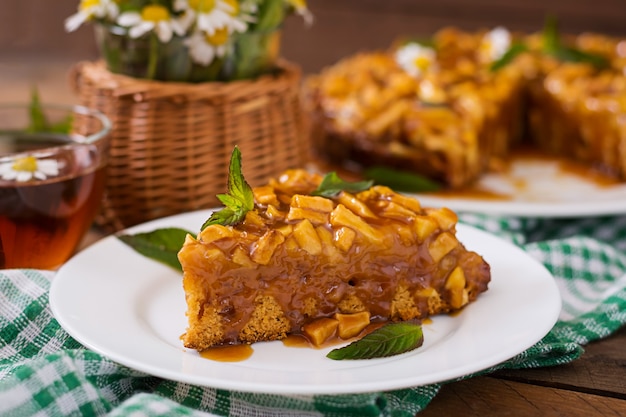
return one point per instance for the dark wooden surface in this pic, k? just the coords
(34, 50)
(593, 385)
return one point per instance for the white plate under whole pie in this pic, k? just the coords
(538, 187)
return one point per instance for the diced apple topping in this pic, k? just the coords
(320, 330)
(350, 325)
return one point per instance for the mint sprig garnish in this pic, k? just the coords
(238, 201)
(389, 340)
(332, 185)
(161, 245)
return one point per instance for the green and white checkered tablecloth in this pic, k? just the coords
(44, 372)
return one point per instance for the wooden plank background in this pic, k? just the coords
(35, 27)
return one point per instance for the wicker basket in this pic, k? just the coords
(171, 142)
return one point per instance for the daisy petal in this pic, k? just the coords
(164, 31)
(23, 176)
(141, 29)
(75, 21)
(129, 19)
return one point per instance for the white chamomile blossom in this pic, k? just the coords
(301, 8)
(240, 17)
(204, 48)
(26, 168)
(90, 9)
(415, 59)
(210, 15)
(249, 10)
(494, 44)
(152, 17)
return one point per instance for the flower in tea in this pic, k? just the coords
(152, 17)
(90, 10)
(26, 168)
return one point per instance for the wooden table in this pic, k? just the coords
(594, 385)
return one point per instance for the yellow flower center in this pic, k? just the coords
(298, 4)
(28, 164)
(154, 13)
(218, 38)
(203, 6)
(422, 62)
(86, 4)
(234, 5)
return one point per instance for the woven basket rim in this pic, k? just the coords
(122, 85)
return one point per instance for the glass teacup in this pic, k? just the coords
(52, 177)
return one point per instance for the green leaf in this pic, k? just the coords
(38, 122)
(426, 42)
(576, 55)
(552, 46)
(391, 339)
(161, 245)
(550, 34)
(401, 180)
(238, 201)
(508, 57)
(271, 15)
(332, 185)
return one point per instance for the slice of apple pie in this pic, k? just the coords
(297, 258)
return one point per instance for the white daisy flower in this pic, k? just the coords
(249, 10)
(204, 48)
(90, 9)
(415, 59)
(152, 17)
(29, 167)
(240, 17)
(211, 15)
(301, 9)
(494, 44)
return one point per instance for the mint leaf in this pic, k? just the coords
(389, 340)
(550, 35)
(401, 180)
(567, 54)
(509, 56)
(39, 123)
(238, 201)
(552, 46)
(332, 185)
(161, 245)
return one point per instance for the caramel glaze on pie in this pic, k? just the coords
(297, 258)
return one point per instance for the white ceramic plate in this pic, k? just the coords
(538, 188)
(132, 310)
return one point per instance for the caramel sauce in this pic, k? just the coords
(565, 166)
(229, 353)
